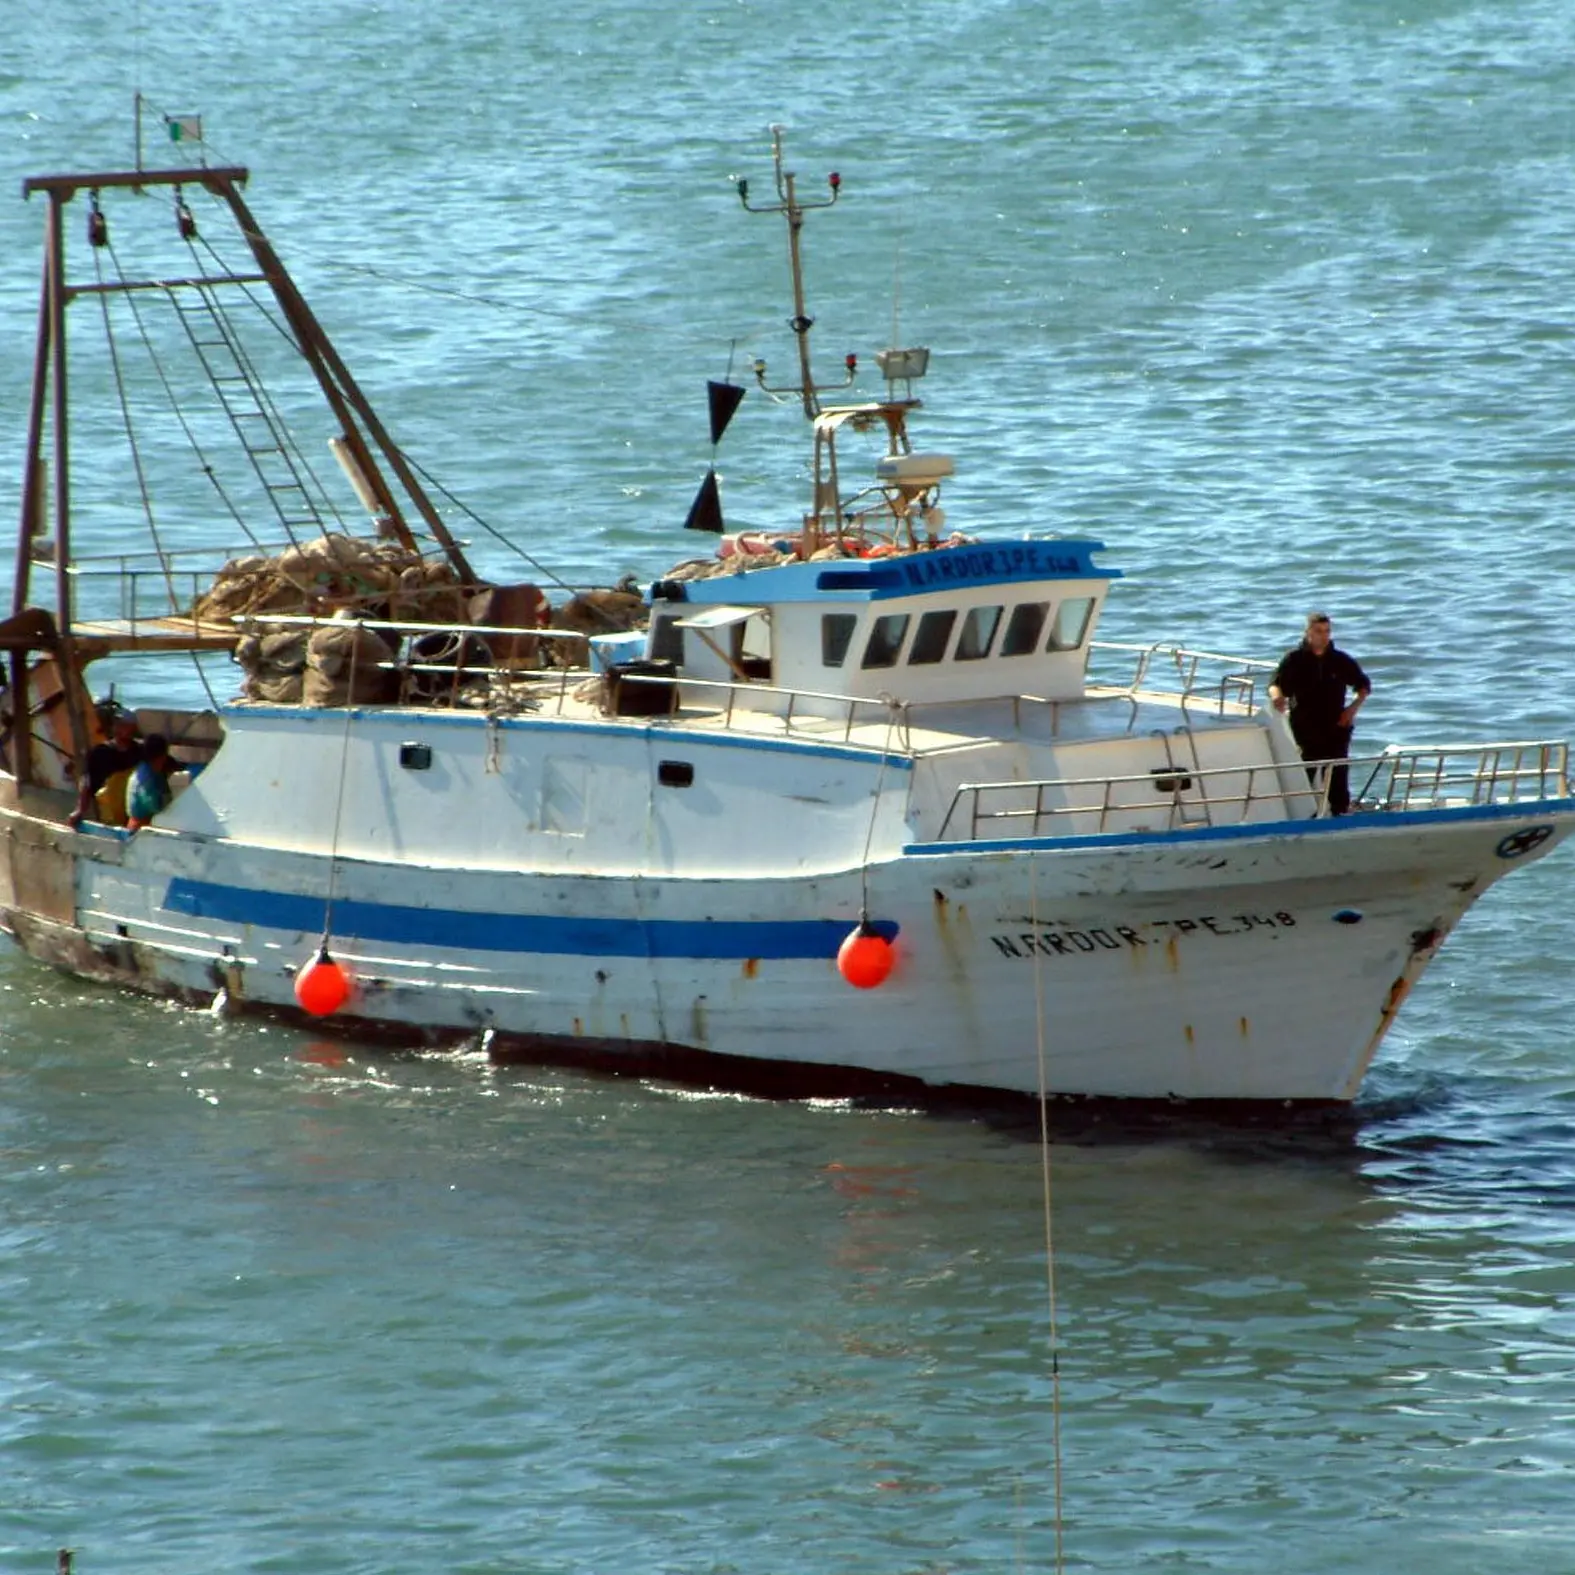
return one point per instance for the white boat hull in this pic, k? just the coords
(1106, 871)
(1254, 964)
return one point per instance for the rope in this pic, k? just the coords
(317, 499)
(624, 325)
(175, 406)
(263, 304)
(869, 835)
(551, 576)
(202, 678)
(1044, 1153)
(125, 416)
(263, 307)
(339, 798)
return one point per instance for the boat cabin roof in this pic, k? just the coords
(972, 565)
(966, 621)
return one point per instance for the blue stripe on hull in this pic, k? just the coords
(452, 929)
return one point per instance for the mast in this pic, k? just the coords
(21, 739)
(339, 388)
(55, 297)
(55, 293)
(47, 464)
(793, 211)
(905, 492)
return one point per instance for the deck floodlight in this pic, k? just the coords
(901, 366)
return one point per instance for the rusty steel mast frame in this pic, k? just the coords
(357, 419)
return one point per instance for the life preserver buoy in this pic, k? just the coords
(754, 544)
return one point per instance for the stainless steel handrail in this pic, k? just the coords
(1400, 778)
(1208, 680)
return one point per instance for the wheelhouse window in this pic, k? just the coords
(1023, 628)
(885, 642)
(932, 637)
(978, 633)
(1071, 624)
(836, 635)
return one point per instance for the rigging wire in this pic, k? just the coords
(163, 557)
(284, 331)
(543, 570)
(175, 406)
(224, 402)
(101, 237)
(339, 798)
(294, 457)
(202, 678)
(499, 304)
(893, 709)
(521, 308)
(261, 304)
(320, 499)
(317, 498)
(264, 309)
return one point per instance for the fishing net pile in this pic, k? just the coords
(378, 579)
(338, 663)
(341, 662)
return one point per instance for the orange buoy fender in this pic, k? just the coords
(866, 957)
(323, 985)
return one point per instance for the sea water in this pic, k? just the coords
(1274, 301)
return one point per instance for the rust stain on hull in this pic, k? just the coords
(39, 874)
(1398, 991)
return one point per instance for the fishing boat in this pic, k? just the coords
(857, 803)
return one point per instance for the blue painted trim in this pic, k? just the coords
(450, 929)
(1023, 562)
(1386, 820)
(680, 736)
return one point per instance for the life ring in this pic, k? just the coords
(755, 544)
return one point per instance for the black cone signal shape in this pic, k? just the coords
(705, 513)
(725, 399)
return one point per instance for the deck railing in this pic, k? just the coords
(160, 593)
(152, 592)
(138, 600)
(1449, 775)
(799, 710)
(1207, 682)
(1432, 776)
(458, 655)
(1399, 778)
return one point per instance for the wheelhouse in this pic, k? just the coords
(956, 623)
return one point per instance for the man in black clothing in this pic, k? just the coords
(1312, 681)
(119, 753)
